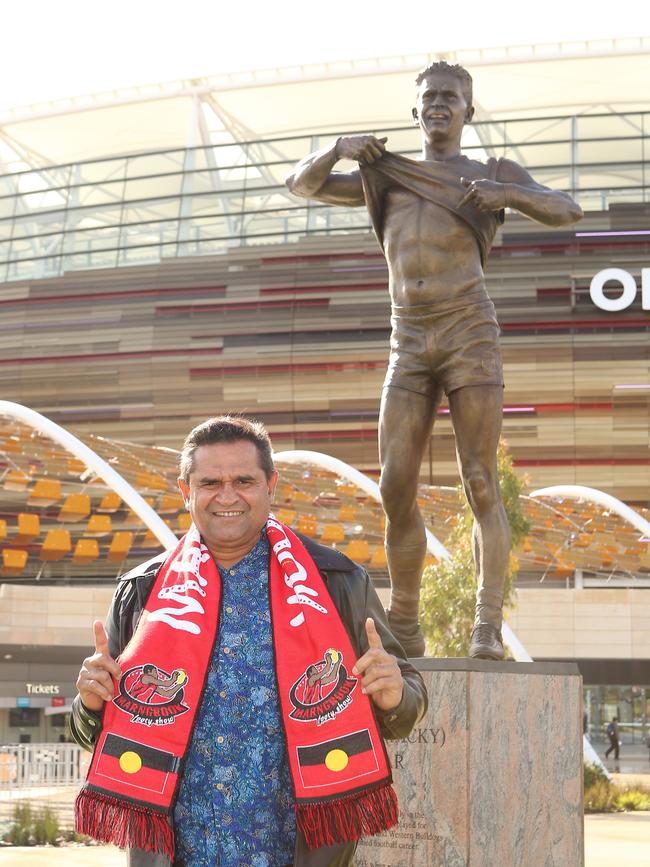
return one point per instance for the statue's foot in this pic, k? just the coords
(486, 642)
(408, 633)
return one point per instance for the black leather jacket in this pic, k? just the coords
(355, 599)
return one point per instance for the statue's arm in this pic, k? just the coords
(313, 177)
(524, 194)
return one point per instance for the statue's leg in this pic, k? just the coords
(405, 422)
(476, 414)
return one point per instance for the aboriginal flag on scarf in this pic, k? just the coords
(339, 768)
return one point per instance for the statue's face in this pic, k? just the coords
(442, 108)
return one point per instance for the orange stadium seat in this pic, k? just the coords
(358, 550)
(332, 533)
(184, 521)
(347, 513)
(11, 445)
(307, 525)
(13, 561)
(120, 546)
(170, 503)
(75, 507)
(378, 559)
(45, 492)
(15, 480)
(29, 526)
(99, 525)
(56, 545)
(111, 502)
(3, 529)
(85, 551)
(286, 516)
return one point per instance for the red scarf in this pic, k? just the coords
(339, 768)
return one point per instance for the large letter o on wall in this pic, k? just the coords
(626, 297)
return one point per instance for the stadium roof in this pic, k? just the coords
(374, 94)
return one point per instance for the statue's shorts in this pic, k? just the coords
(433, 351)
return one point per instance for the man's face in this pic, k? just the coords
(442, 107)
(228, 496)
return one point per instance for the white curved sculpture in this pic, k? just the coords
(80, 450)
(581, 492)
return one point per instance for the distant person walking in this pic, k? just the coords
(613, 735)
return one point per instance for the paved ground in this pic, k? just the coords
(615, 839)
(621, 839)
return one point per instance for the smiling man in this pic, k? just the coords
(244, 763)
(435, 219)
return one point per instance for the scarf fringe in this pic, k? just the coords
(347, 819)
(124, 825)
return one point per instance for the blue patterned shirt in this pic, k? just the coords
(235, 801)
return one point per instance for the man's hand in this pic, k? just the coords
(486, 195)
(381, 676)
(362, 148)
(95, 681)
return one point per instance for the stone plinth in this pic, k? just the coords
(492, 776)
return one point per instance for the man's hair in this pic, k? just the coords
(454, 69)
(227, 429)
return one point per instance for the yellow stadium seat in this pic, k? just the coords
(99, 525)
(15, 480)
(45, 492)
(111, 502)
(29, 526)
(357, 550)
(332, 533)
(120, 546)
(307, 525)
(75, 507)
(56, 545)
(85, 551)
(13, 561)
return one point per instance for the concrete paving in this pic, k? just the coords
(617, 838)
(610, 838)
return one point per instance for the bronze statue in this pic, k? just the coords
(435, 219)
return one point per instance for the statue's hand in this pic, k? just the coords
(486, 195)
(362, 148)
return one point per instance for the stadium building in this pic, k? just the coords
(155, 270)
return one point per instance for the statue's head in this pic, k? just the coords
(444, 100)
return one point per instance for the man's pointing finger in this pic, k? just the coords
(101, 639)
(374, 641)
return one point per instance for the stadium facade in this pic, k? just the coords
(155, 270)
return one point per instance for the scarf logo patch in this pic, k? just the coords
(152, 696)
(323, 690)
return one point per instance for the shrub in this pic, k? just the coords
(633, 799)
(31, 828)
(600, 796)
(594, 774)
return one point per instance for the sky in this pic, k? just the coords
(70, 48)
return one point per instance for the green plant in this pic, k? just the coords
(449, 587)
(600, 797)
(30, 828)
(633, 799)
(593, 774)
